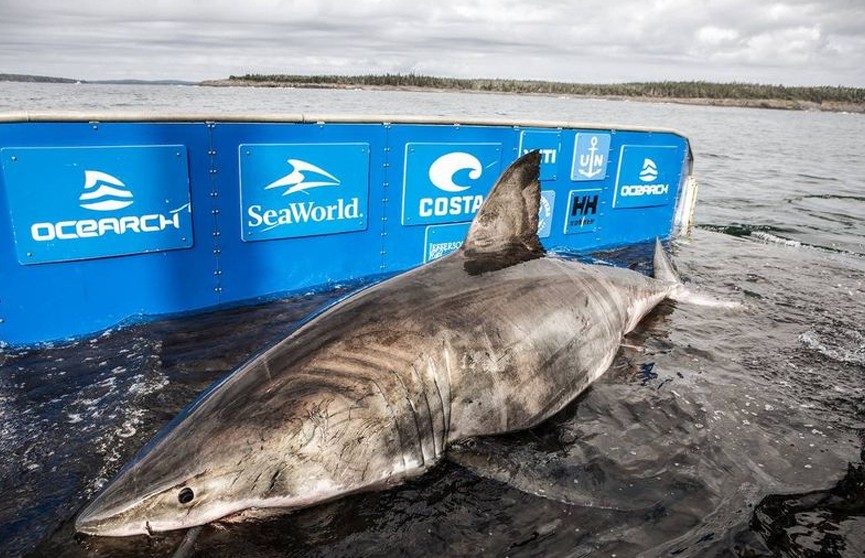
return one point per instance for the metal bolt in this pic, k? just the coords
(14, 158)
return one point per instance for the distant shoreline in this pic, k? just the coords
(775, 104)
(827, 99)
(741, 95)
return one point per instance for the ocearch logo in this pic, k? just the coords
(105, 192)
(649, 172)
(303, 176)
(442, 175)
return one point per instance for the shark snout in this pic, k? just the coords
(106, 518)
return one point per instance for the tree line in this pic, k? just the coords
(662, 89)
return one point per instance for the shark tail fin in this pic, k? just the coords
(664, 271)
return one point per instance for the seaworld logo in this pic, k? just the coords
(303, 176)
(297, 181)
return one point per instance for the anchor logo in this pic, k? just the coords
(590, 157)
(591, 162)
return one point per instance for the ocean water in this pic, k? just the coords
(714, 433)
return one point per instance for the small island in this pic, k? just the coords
(824, 98)
(26, 78)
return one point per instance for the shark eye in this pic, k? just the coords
(185, 496)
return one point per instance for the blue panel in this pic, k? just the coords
(647, 176)
(287, 260)
(441, 240)
(549, 144)
(591, 155)
(447, 182)
(293, 190)
(74, 203)
(584, 211)
(545, 213)
(55, 300)
(405, 246)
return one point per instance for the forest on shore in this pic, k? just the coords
(736, 94)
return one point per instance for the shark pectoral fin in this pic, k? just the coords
(547, 475)
(664, 271)
(505, 229)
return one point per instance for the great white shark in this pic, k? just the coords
(494, 338)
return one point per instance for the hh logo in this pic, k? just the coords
(303, 189)
(446, 183)
(103, 192)
(583, 211)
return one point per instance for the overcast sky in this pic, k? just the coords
(792, 42)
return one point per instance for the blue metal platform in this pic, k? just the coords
(104, 219)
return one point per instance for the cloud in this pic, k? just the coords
(790, 41)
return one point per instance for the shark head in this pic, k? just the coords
(231, 455)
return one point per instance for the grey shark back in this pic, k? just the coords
(496, 337)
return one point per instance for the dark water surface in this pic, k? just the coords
(714, 433)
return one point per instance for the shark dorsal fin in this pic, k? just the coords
(505, 229)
